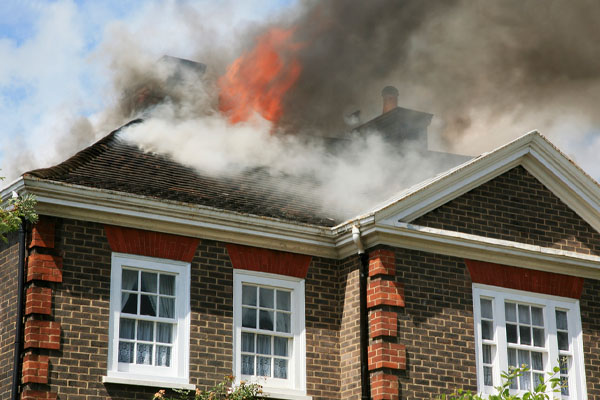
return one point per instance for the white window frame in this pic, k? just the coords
(176, 375)
(577, 384)
(295, 386)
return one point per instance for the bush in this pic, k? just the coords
(223, 391)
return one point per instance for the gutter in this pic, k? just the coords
(365, 378)
(18, 343)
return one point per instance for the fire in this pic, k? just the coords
(258, 80)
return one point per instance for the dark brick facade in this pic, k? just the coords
(516, 206)
(9, 259)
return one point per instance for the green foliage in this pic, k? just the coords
(223, 391)
(17, 208)
(542, 391)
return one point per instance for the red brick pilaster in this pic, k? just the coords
(42, 233)
(383, 323)
(382, 262)
(38, 300)
(384, 386)
(35, 368)
(382, 292)
(37, 395)
(387, 355)
(44, 267)
(42, 334)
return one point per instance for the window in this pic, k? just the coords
(514, 328)
(269, 337)
(149, 321)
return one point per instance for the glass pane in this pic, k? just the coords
(249, 317)
(512, 358)
(280, 346)
(487, 354)
(129, 280)
(167, 284)
(145, 331)
(523, 357)
(525, 381)
(564, 365)
(248, 342)
(263, 367)
(563, 340)
(525, 333)
(266, 298)
(149, 282)
(538, 337)
(537, 316)
(486, 309)
(280, 369)
(167, 307)
(148, 305)
(510, 310)
(537, 362)
(263, 344)
(561, 320)
(284, 300)
(126, 352)
(524, 314)
(247, 365)
(126, 328)
(511, 333)
(163, 356)
(129, 303)
(164, 333)
(283, 322)
(249, 295)
(486, 329)
(266, 320)
(564, 385)
(487, 376)
(144, 354)
(537, 379)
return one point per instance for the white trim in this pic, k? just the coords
(152, 383)
(295, 385)
(178, 372)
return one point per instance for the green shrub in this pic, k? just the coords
(225, 390)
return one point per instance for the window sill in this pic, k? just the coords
(283, 394)
(153, 383)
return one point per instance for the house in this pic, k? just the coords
(144, 274)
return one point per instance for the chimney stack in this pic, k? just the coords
(390, 98)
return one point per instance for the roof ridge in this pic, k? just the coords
(81, 157)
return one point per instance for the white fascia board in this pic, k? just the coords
(116, 208)
(480, 248)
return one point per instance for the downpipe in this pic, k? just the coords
(18, 343)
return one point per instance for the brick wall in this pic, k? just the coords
(590, 322)
(9, 260)
(516, 206)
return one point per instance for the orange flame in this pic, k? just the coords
(257, 81)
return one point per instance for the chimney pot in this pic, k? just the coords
(390, 98)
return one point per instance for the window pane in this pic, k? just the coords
(512, 358)
(167, 307)
(164, 332)
(537, 361)
(511, 333)
(126, 328)
(537, 316)
(525, 381)
(266, 298)
(247, 365)
(561, 320)
(167, 285)
(129, 280)
(145, 331)
(510, 310)
(248, 342)
(266, 320)
(486, 329)
(283, 322)
(563, 340)
(524, 357)
(280, 369)
(248, 317)
(537, 379)
(487, 354)
(280, 346)
(486, 309)
(126, 352)
(129, 303)
(538, 337)
(524, 314)
(564, 365)
(525, 333)
(283, 300)
(264, 366)
(148, 305)
(263, 344)
(163, 356)
(564, 385)
(149, 282)
(487, 376)
(144, 354)
(249, 295)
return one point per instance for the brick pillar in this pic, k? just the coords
(44, 272)
(384, 296)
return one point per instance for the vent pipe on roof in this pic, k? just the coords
(390, 98)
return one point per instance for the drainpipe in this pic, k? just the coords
(365, 379)
(19, 322)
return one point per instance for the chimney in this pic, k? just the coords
(390, 98)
